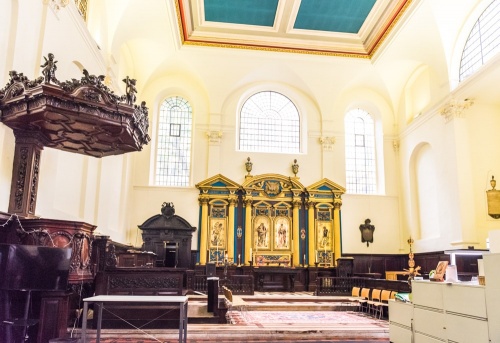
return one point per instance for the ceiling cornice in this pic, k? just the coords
(195, 32)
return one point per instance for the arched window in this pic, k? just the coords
(360, 152)
(173, 154)
(483, 41)
(269, 122)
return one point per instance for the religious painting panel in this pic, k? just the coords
(282, 233)
(262, 233)
(216, 256)
(273, 259)
(324, 235)
(324, 258)
(217, 234)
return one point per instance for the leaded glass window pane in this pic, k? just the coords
(360, 152)
(269, 122)
(173, 156)
(483, 41)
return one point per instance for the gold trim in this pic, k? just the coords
(368, 54)
(389, 29)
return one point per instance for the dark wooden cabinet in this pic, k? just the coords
(169, 237)
(275, 279)
(135, 259)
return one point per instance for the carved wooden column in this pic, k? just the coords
(204, 230)
(98, 258)
(25, 173)
(248, 229)
(337, 252)
(311, 232)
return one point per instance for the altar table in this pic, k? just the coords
(136, 301)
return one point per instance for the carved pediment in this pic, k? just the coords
(325, 185)
(218, 182)
(167, 220)
(272, 184)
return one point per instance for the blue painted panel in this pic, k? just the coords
(218, 184)
(333, 15)
(249, 12)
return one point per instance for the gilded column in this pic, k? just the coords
(230, 229)
(336, 230)
(203, 230)
(296, 233)
(248, 230)
(311, 233)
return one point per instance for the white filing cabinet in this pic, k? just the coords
(450, 312)
(400, 318)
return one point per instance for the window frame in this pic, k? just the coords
(281, 145)
(185, 180)
(482, 55)
(368, 171)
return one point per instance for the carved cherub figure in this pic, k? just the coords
(130, 90)
(49, 68)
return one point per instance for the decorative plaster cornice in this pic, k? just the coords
(56, 5)
(395, 145)
(456, 108)
(327, 143)
(214, 136)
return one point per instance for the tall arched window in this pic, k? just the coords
(360, 152)
(173, 154)
(269, 122)
(483, 41)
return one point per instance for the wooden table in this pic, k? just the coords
(275, 278)
(136, 301)
(393, 275)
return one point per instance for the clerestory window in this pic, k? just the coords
(173, 154)
(483, 41)
(269, 122)
(360, 152)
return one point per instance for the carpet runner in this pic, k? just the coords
(306, 318)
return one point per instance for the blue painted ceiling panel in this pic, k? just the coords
(248, 12)
(333, 15)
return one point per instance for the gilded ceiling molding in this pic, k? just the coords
(273, 49)
(184, 16)
(393, 23)
(214, 137)
(456, 108)
(327, 143)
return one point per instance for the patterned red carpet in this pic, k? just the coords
(236, 339)
(273, 322)
(306, 318)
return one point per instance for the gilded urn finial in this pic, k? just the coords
(295, 167)
(248, 165)
(493, 182)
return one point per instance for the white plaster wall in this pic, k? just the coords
(432, 131)
(483, 121)
(7, 143)
(8, 34)
(384, 215)
(116, 193)
(59, 193)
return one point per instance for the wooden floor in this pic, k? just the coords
(364, 330)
